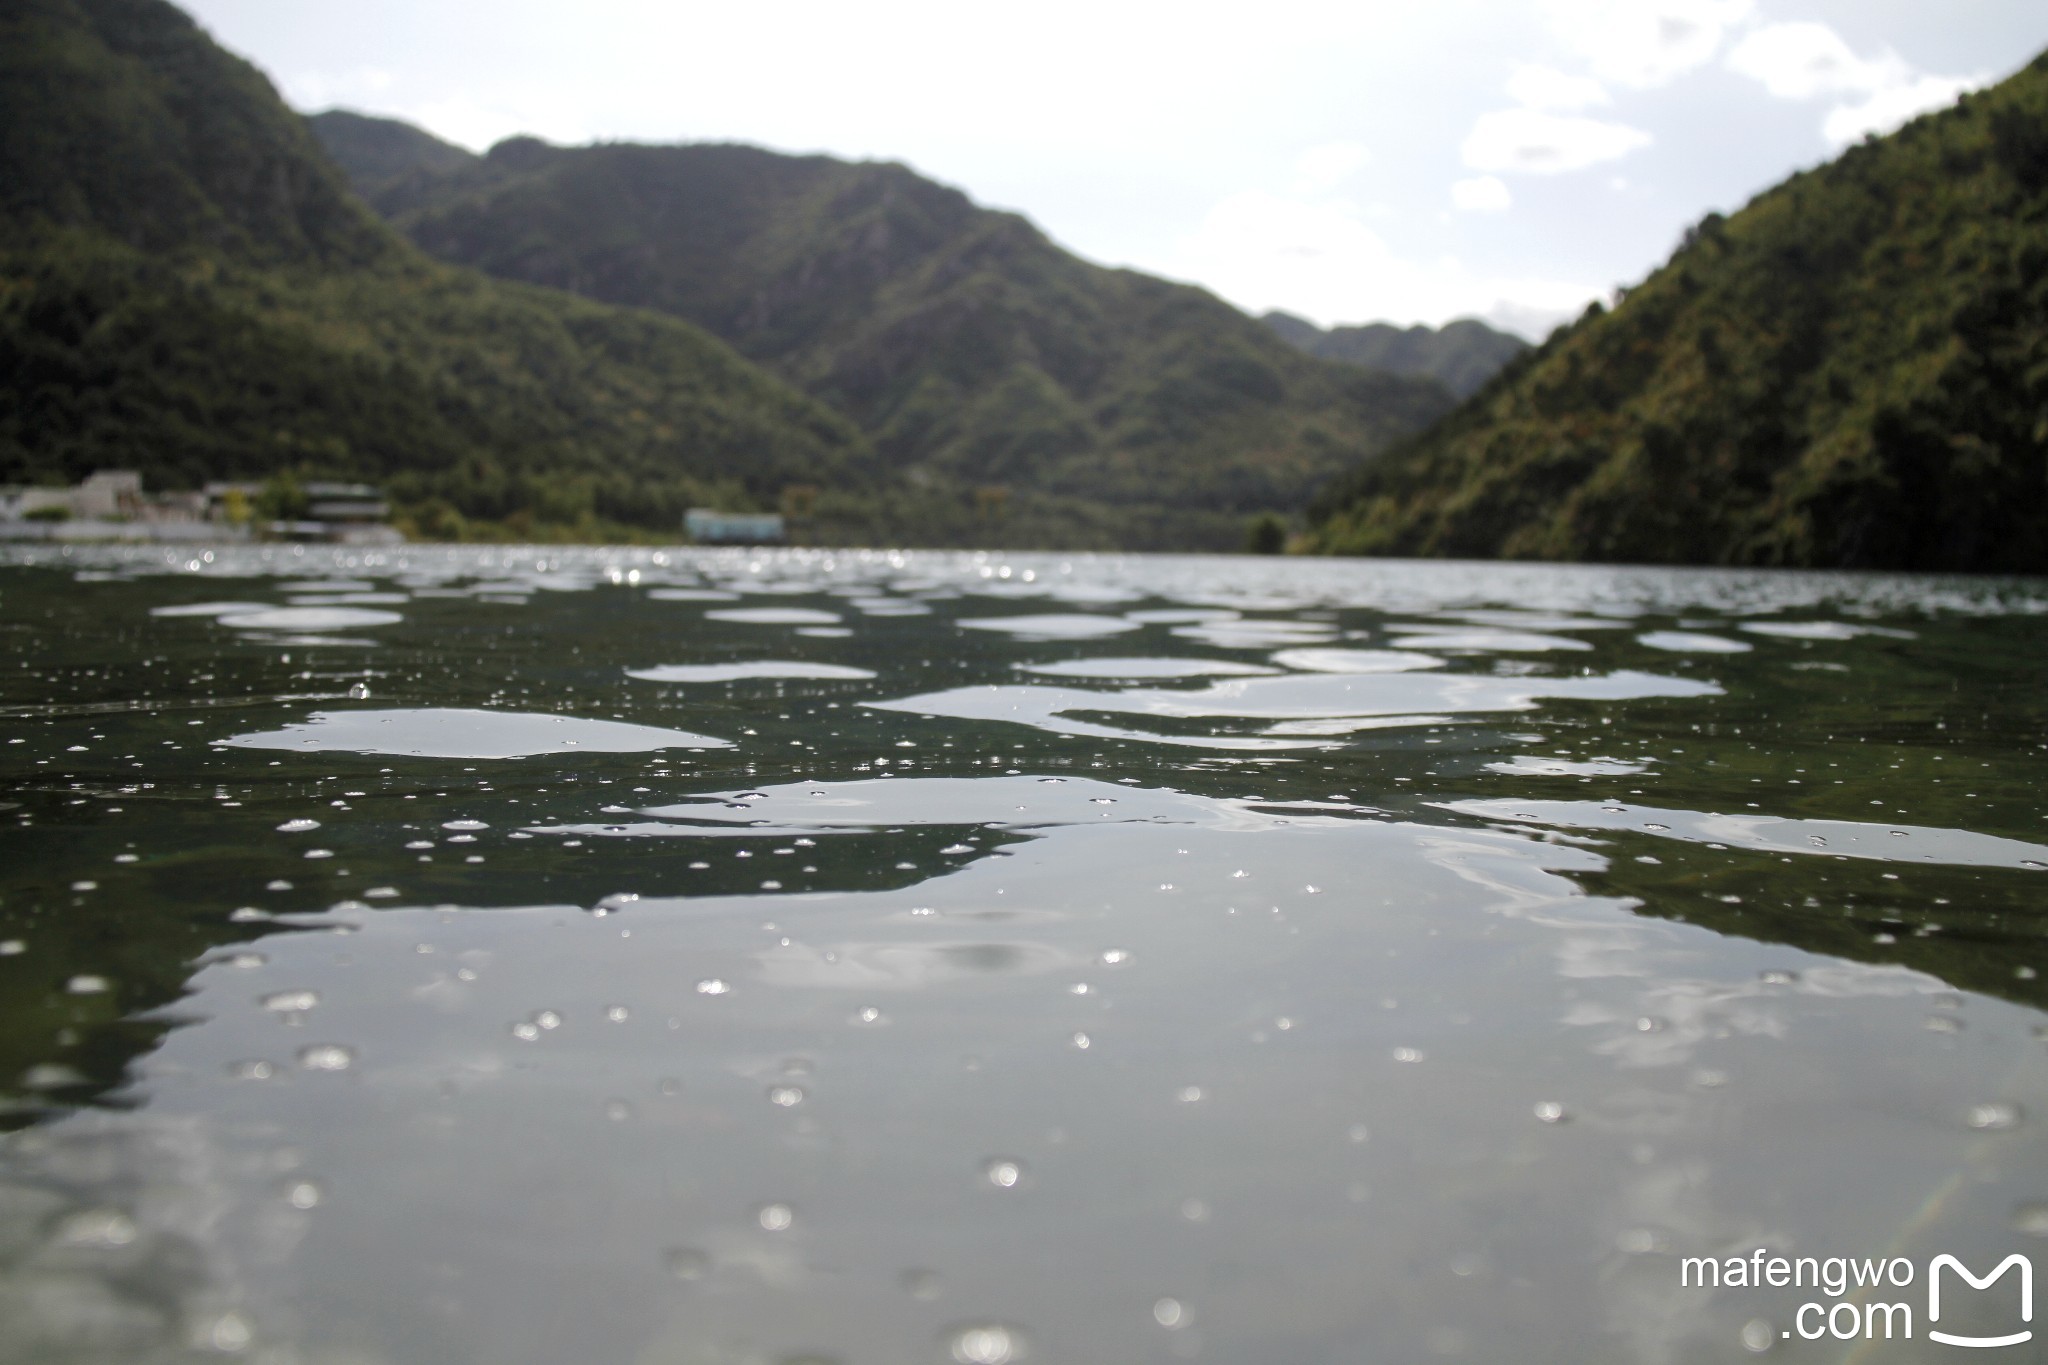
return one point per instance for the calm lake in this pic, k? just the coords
(692, 958)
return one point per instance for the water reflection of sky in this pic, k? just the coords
(1063, 958)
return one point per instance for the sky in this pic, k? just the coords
(1379, 160)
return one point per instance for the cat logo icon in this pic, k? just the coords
(2026, 1268)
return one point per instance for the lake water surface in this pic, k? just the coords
(490, 955)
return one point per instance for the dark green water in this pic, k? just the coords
(543, 956)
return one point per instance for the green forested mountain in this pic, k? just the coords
(189, 288)
(1460, 355)
(1851, 371)
(970, 349)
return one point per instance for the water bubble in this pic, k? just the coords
(302, 1194)
(1005, 1173)
(327, 1057)
(1994, 1117)
(290, 1002)
(1407, 1054)
(986, 1344)
(1649, 1024)
(525, 1032)
(867, 1014)
(617, 1014)
(251, 1070)
(229, 1334)
(96, 1228)
(358, 691)
(464, 825)
(1651, 824)
(1115, 957)
(618, 1111)
(86, 985)
(1189, 1094)
(1082, 1041)
(1757, 1336)
(775, 1217)
(785, 1096)
(2031, 1218)
(1079, 988)
(546, 1019)
(1358, 1132)
(297, 826)
(711, 985)
(686, 1263)
(1169, 1313)
(12, 947)
(1778, 977)
(1549, 1111)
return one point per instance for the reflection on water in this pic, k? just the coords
(1338, 961)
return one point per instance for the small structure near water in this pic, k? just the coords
(111, 504)
(707, 527)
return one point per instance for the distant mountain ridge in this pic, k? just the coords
(1852, 371)
(1461, 355)
(967, 346)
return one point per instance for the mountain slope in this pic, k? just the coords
(1460, 355)
(1851, 371)
(189, 288)
(964, 343)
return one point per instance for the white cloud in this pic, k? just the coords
(1645, 43)
(1544, 87)
(1324, 168)
(1321, 261)
(1481, 194)
(1890, 108)
(1536, 143)
(1804, 61)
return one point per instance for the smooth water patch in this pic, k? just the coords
(758, 668)
(1354, 660)
(774, 616)
(1051, 627)
(1136, 668)
(1692, 642)
(1279, 708)
(308, 618)
(456, 732)
(1829, 838)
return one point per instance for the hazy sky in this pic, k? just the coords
(1409, 162)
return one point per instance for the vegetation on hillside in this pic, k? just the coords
(971, 350)
(189, 289)
(1460, 355)
(1851, 371)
